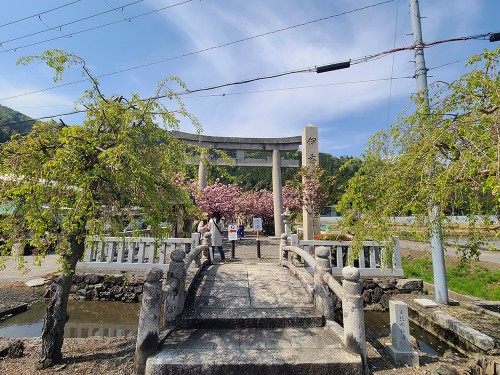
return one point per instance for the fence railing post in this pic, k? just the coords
(207, 240)
(323, 296)
(174, 302)
(283, 243)
(149, 320)
(353, 314)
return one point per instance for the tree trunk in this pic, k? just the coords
(57, 311)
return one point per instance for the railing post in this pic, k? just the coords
(174, 303)
(149, 320)
(207, 240)
(283, 253)
(396, 255)
(323, 296)
(353, 314)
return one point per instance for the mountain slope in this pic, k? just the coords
(12, 122)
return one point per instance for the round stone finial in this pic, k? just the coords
(177, 255)
(322, 252)
(155, 274)
(350, 273)
(284, 236)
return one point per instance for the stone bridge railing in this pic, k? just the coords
(373, 260)
(133, 252)
(171, 293)
(327, 289)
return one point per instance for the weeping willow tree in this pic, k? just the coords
(67, 182)
(446, 152)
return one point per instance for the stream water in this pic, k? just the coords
(111, 319)
(86, 318)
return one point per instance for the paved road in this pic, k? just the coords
(486, 256)
(12, 273)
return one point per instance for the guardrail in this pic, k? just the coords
(373, 260)
(172, 293)
(133, 252)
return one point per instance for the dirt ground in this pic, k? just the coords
(112, 356)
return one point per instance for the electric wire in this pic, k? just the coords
(195, 52)
(188, 96)
(59, 27)
(128, 19)
(39, 14)
(358, 60)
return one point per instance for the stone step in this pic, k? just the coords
(234, 318)
(316, 350)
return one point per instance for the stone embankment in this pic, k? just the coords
(128, 288)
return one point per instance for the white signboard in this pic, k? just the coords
(232, 232)
(257, 224)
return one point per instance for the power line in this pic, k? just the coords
(450, 63)
(188, 96)
(315, 69)
(39, 14)
(357, 60)
(300, 87)
(199, 51)
(71, 23)
(128, 19)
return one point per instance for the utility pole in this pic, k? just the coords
(436, 232)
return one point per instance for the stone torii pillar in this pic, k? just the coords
(277, 194)
(202, 171)
(310, 156)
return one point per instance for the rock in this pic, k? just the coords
(410, 285)
(118, 280)
(367, 296)
(136, 280)
(386, 283)
(138, 289)
(93, 278)
(368, 284)
(377, 294)
(384, 301)
(443, 369)
(48, 293)
(13, 349)
(35, 282)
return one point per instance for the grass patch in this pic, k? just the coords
(473, 281)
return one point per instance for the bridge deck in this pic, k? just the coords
(249, 296)
(248, 318)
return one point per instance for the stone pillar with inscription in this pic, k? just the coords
(400, 348)
(310, 156)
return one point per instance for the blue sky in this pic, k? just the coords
(347, 105)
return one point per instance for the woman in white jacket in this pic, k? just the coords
(215, 227)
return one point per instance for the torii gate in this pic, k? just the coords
(308, 140)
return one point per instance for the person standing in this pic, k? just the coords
(202, 229)
(215, 227)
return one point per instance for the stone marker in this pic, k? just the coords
(401, 350)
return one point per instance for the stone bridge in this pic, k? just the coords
(243, 317)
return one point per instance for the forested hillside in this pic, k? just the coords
(12, 122)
